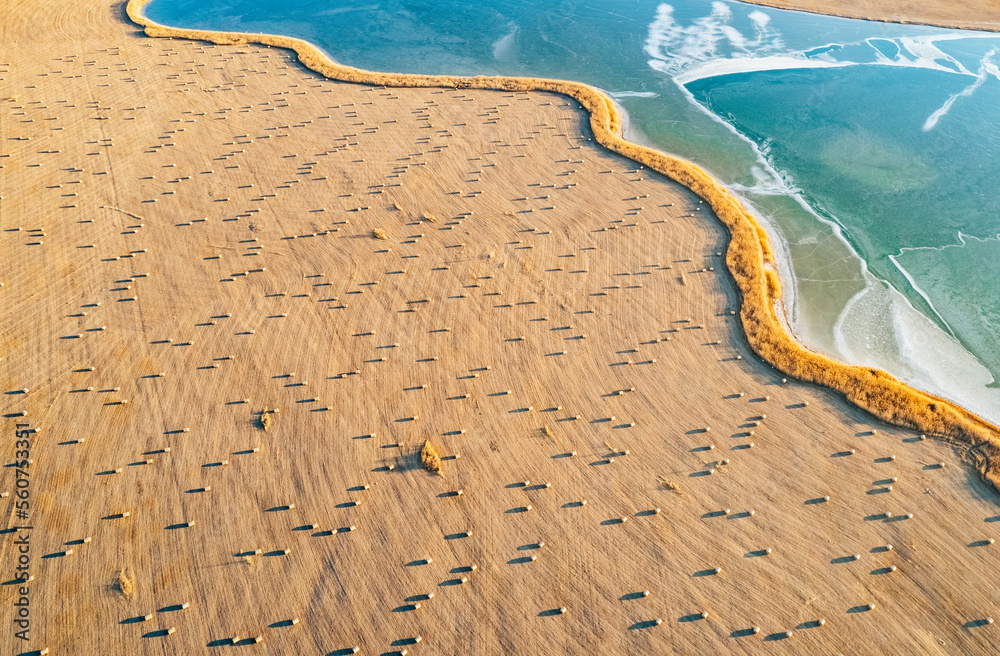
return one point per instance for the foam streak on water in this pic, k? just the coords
(986, 68)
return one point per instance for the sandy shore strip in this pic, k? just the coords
(961, 14)
(194, 234)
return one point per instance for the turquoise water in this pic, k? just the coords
(870, 150)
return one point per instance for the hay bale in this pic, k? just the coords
(430, 459)
(379, 233)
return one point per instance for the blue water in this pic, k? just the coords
(869, 150)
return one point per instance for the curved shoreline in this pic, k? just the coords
(749, 255)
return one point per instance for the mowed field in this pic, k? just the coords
(193, 234)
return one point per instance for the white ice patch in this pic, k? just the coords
(879, 327)
(711, 46)
(717, 67)
(928, 55)
(633, 94)
(721, 10)
(734, 37)
(674, 47)
(941, 365)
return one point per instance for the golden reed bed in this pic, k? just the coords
(749, 256)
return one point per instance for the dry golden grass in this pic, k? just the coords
(749, 256)
(265, 419)
(429, 458)
(427, 216)
(340, 460)
(948, 13)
